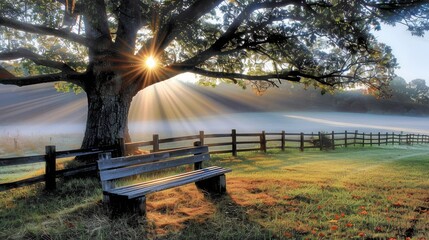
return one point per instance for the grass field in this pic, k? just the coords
(354, 193)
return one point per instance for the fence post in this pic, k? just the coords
(155, 140)
(120, 147)
(283, 146)
(355, 138)
(345, 138)
(50, 168)
(370, 139)
(320, 141)
(387, 137)
(202, 138)
(393, 138)
(301, 143)
(333, 140)
(263, 142)
(400, 139)
(234, 142)
(363, 139)
(379, 139)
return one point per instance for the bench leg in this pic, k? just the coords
(214, 186)
(120, 205)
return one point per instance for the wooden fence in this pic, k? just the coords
(219, 143)
(241, 142)
(50, 158)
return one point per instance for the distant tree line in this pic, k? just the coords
(415, 91)
(405, 98)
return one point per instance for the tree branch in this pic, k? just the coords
(178, 24)
(38, 29)
(37, 59)
(129, 21)
(96, 23)
(229, 34)
(33, 80)
(289, 76)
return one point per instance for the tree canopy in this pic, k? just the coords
(101, 46)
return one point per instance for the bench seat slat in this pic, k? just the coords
(125, 189)
(147, 158)
(119, 190)
(142, 168)
(168, 182)
(172, 184)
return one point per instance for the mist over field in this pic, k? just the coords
(43, 116)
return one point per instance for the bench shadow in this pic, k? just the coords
(229, 221)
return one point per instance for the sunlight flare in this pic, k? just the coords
(151, 62)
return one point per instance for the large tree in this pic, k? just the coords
(112, 49)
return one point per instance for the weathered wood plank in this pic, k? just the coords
(147, 158)
(221, 151)
(132, 145)
(83, 152)
(124, 189)
(217, 135)
(178, 182)
(142, 168)
(172, 184)
(219, 144)
(50, 169)
(248, 149)
(177, 139)
(21, 160)
(248, 134)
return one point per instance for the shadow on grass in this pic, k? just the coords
(229, 221)
(75, 211)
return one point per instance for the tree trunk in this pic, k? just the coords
(107, 118)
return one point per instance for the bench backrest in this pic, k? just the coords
(116, 168)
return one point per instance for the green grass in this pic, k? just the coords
(369, 193)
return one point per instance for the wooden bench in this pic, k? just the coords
(132, 198)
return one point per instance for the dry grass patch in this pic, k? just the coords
(171, 210)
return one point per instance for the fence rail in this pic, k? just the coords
(50, 159)
(241, 142)
(219, 143)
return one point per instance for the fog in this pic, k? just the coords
(243, 122)
(287, 121)
(31, 118)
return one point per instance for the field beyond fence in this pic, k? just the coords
(232, 142)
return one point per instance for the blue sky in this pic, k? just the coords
(412, 52)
